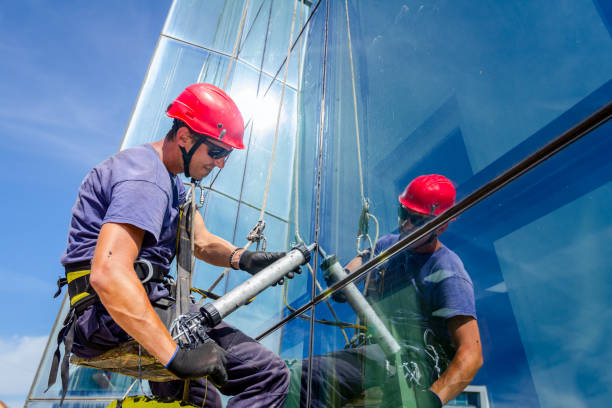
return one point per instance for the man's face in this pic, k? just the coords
(202, 163)
(409, 221)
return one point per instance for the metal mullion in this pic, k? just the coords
(318, 205)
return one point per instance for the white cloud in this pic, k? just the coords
(19, 359)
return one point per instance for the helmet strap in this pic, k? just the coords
(187, 155)
(429, 240)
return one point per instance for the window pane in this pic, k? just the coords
(260, 153)
(213, 24)
(536, 254)
(268, 306)
(294, 350)
(219, 214)
(456, 88)
(174, 67)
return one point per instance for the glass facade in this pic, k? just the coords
(376, 94)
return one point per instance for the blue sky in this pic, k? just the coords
(70, 73)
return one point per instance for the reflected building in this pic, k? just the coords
(344, 103)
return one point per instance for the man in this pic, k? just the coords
(426, 298)
(127, 212)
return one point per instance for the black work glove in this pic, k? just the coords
(206, 360)
(254, 261)
(428, 399)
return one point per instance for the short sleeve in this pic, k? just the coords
(452, 296)
(138, 203)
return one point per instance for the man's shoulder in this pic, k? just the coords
(139, 163)
(386, 241)
(446, 260)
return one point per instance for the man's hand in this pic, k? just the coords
(254, 261)
(428, 399)
(206, 360)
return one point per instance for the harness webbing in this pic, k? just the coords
(81, 296)
(184, 254)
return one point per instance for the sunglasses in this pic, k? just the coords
(215, 151)
(415, 219)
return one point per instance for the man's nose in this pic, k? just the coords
(220, 163)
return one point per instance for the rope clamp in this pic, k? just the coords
(256, 234)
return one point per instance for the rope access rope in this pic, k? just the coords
(365, 204)
(298, 237)
(238, 37)
(275, 142)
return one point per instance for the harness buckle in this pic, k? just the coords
(149, 266)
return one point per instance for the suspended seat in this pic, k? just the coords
(124, 360)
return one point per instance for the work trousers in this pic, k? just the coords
(343, 376)
(256, 376)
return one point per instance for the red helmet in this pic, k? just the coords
(431, 194)
(208, 110)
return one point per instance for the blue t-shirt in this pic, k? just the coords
(439, 281)
(131, 187)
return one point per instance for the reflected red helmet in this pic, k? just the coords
(429, 194)
(208, 110)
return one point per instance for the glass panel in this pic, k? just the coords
(213, 24)
(174, 67)
(260, 153)
(253, 42)
(243, 88)
(536, 254)
(278, 37)
(268, 29)
(427, 103)
(294, 349)
(219, 214)
(302, 195)
(267, 308)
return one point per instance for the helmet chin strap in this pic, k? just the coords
(188, 155)
(429, 240)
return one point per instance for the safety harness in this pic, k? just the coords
(82, 295)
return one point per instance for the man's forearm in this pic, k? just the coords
(458, 375)
(213, 250)
(129, 306)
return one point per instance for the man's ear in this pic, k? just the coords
(442, 229)
(183, 137)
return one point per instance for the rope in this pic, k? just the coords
(272, 157)
(298, 237)
(365, 204)
(278, 115)
(235, 50)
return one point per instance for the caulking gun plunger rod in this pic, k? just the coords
(216, 311)
(360, 305)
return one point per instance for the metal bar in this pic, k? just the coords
(293, 46)
(318, 199)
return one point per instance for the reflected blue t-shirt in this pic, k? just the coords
(443, 285)
(131, 187)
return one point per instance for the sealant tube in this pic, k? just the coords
(361, 306)
(216, 311)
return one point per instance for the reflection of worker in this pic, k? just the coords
(128, 209)
(427, 299)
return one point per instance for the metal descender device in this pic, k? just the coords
(189, 329)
